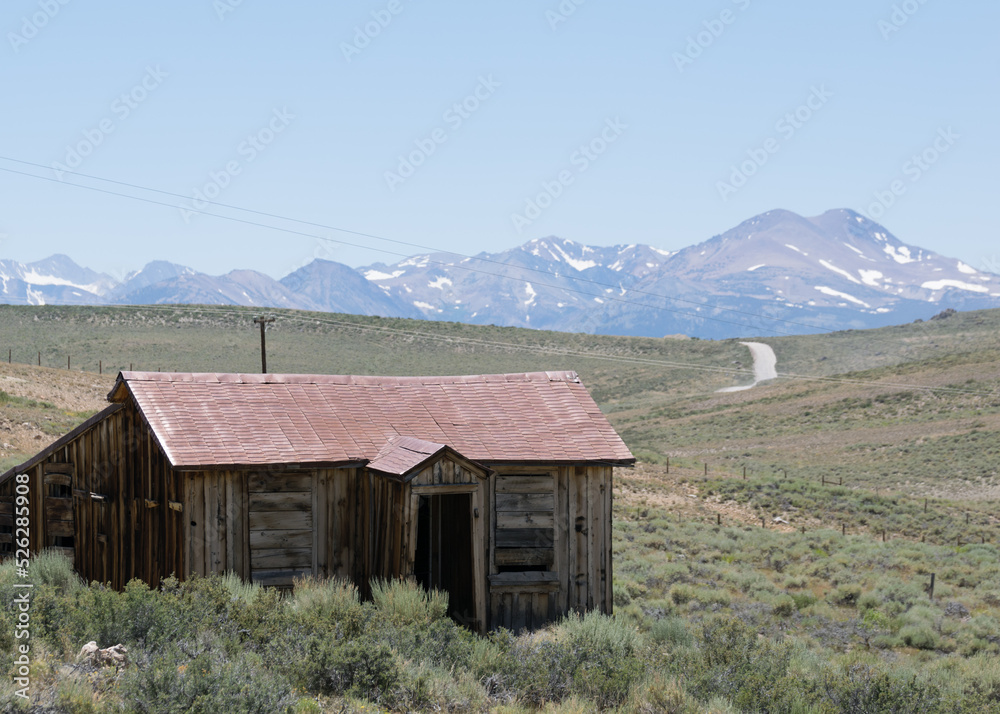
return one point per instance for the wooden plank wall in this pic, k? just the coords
(586, 492)
(538, 585)
(339, 522)
(119, 484)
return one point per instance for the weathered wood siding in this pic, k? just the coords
(551, 549)
(104, 499)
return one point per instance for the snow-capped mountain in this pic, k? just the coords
(55, 280)
(335, 287)
(836, 271)
(543, 283)
(775, 273)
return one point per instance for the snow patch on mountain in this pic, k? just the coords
(839, 271)
(532, 295)
(375, 275)
(941, 284)
(871, 277)
(901, 254)
(843, 296)
(440, 283)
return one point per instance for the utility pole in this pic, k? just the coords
(263, 322)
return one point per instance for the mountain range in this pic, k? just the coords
(775, 273)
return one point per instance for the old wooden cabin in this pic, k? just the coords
(495, 488)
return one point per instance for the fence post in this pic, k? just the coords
(718, 519)
(843, 529)
(67, 362)
(931, 588)
(706, 469)
(39, 359)
(100, 366)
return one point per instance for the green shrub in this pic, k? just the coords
(658, 694)
(681, 593)
(865, 688)
(200, 677)
(405, 602)
(749, 670)
(784, 605)
(845, 595)
(327, 604)
(605, 653)
(919, 636)
(671, 631)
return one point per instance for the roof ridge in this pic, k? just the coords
(251, 378)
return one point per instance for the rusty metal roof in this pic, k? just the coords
(216, 420)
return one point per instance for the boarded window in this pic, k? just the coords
(281, 527)
(525, 527)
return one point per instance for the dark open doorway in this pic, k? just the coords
(444, 557)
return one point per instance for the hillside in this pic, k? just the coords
(659, 393)
(771, 591)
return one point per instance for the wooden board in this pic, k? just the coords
(279, 577)
(280, 520)
(270, 558)
(524, 538)
(524, 556)
(270, 482)
(281, 539)
(58, 468)
(525, 484)
(58, 479)
(60, 529)
(58, 509)
(525, 502)
(281, 501)
(525, 578)
(525, 519)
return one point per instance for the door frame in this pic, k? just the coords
(478, 518)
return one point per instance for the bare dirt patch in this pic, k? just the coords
(62, 398)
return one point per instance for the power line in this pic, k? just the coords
(580, 279)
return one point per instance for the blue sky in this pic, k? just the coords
(439, 123)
